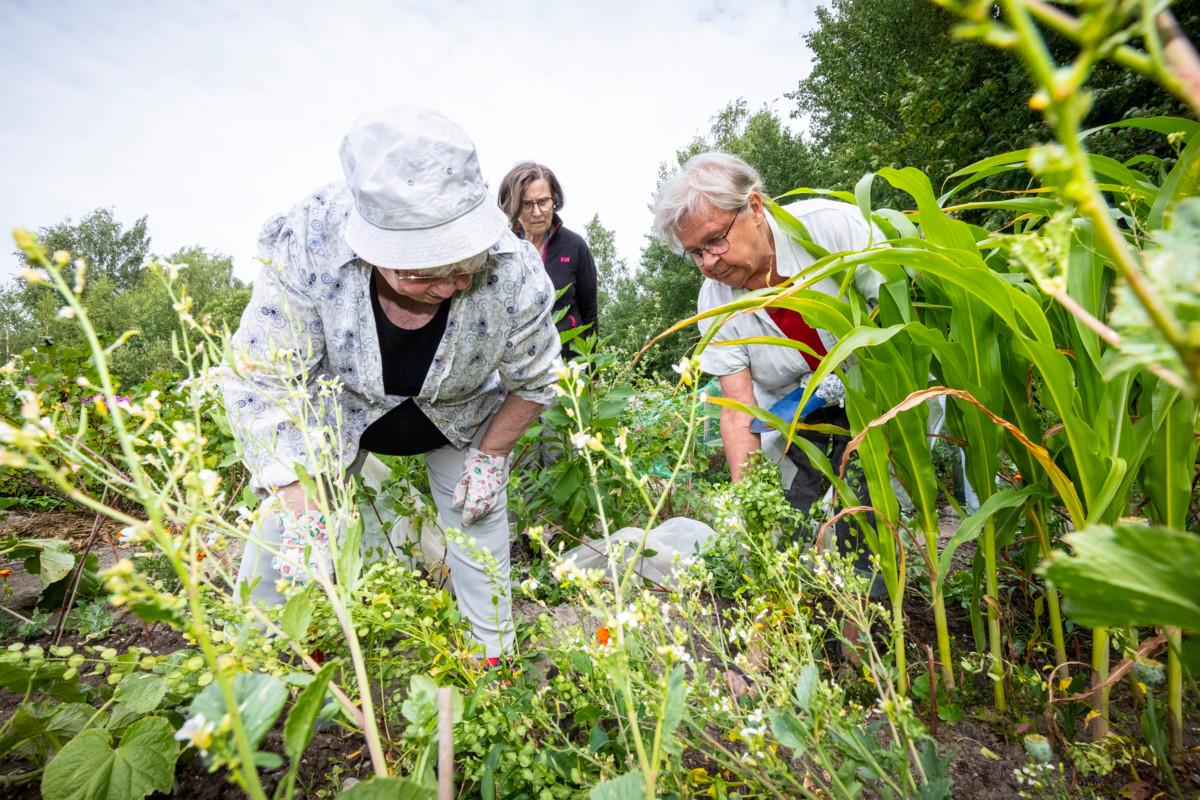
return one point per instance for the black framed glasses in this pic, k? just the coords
(544, 204)
(718, 245)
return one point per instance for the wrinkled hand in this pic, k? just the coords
(484, 478)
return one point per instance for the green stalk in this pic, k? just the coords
(939, 611)
(1174, 691)
(370, 723)
(1051, 594)
(1100, 675)
(898, 644)
(992, 578)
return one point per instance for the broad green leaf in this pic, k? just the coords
(1181, 182)
(298, 729)
(806, 684)
(937, 227)
(795, 229)
(487, 784)
(673, 707)
(50, 558)
(845, 197)
(970, 528)
(20, 677)
(862, 194)
(388, 789)
(349, 555)
(630, 786)
(297, 616)
(141, 692)
(1169, 466)
(788, 731)
(985, 168)
(88, 768)
(1163, 125)
(260, 698)
(1129, 575)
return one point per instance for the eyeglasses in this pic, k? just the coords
(454, 276)
(543, 203)
(718, 245)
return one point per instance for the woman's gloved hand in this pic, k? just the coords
(303, 544)
(829, 392)
(484, 478)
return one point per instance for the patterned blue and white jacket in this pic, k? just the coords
(310, 315)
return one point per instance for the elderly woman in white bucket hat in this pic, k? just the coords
(404, 283)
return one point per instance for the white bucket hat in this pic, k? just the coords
(419, 196)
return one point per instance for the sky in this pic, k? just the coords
(209, 117)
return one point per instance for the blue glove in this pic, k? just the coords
(829, 392)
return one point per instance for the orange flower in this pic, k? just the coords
(603, 636)
(4, 573)
(201, 555)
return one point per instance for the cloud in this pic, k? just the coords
(210, 117)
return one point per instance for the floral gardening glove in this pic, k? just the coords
(301, 535)
(829, 392)
(484, 477)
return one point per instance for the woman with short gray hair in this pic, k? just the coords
(713, 211)
(718, 180)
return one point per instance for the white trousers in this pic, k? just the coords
(484, 599)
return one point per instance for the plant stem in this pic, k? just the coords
(1100, 667)
(992, 577)
(1174, 691)
(370, 724)
(898, 643)
(939, 610)
(1037, 516)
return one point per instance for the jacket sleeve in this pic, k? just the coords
(274, 356)
(532, 355)
(585, 290)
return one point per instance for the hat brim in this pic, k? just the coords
(467, 235)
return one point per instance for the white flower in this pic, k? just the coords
(35, 276)
(196, 731)
(580, 440)
(210, 482)
(628, 619)
(529, 585)
(129, 535)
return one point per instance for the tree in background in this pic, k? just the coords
(610, 268)
(891, 86)
(120, 295)
(99, 239)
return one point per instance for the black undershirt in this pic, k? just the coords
(407, 356)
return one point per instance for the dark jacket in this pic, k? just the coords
(568, 261)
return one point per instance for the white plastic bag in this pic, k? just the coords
(671, 546)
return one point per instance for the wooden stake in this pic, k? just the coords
(445, 743)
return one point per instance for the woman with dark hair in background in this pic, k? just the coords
(531, 197)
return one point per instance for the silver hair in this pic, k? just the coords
(720, 180)
(469, 265)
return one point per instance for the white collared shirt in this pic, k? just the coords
(775, 370)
